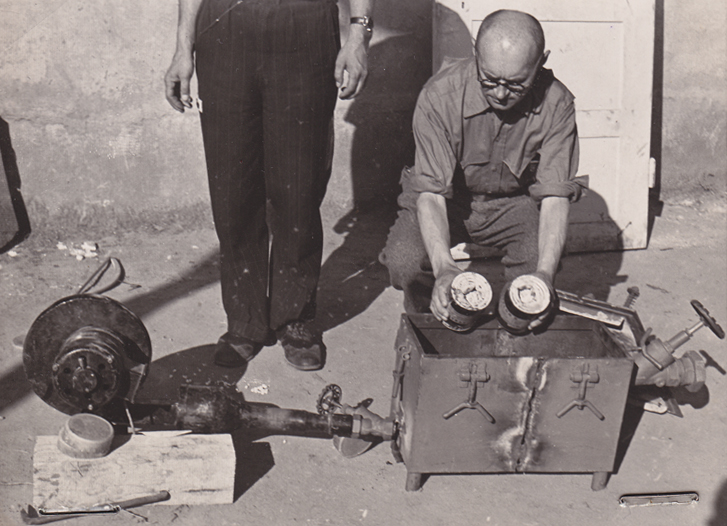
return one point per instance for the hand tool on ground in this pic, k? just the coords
(42, 516)
(658, 499)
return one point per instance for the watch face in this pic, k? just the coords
(365, 21)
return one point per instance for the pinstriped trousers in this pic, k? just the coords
(265, 70)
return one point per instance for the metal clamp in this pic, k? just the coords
(399, 371)
(644, 349)
(583, 377)
(469, 376)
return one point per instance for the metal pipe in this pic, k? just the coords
(203, 409)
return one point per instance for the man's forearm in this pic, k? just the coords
(552, 234)
(360, 8)
(434, 225)
(188, 10)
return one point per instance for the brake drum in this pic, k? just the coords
(85, 351)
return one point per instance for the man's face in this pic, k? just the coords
(506, 77)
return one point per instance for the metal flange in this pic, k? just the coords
(84, 351)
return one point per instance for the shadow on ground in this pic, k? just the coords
(253, 460)
(14, 386)
(187, 367)
(204, 273)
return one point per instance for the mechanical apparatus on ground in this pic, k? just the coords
(482, 401)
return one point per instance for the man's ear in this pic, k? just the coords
(544, 58)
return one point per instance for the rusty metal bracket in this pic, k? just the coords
(644, 350)
(398, 372)
(471, 379)
(583, 377)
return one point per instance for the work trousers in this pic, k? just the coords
(267, 89)
(508, 223)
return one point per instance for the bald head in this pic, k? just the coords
(511, 36)
(509, 54)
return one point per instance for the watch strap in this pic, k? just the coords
(365, 21)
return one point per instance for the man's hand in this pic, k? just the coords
(442, 294)
(176, 81)
(352, 64)
(553, 305)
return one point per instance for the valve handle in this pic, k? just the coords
(329, 399)
(708, 320)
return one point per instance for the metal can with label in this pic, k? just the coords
(526, 298)
(471, 295)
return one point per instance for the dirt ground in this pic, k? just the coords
(172, 284)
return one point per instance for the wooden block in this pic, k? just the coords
(194, 469)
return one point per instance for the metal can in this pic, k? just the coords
(525, 299)
(471, 295)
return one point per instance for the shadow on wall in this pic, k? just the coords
(584, 271)
(14, 221)
(351, 277)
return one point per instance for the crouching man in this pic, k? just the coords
(496, 161)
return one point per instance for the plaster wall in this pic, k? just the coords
(693, 139)
(81, 89)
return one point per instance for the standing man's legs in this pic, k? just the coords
(266, 72)
(227, 63)
(299, 98)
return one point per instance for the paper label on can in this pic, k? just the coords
(471, 291)
(529, 294)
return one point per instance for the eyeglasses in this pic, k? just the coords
(516, 88)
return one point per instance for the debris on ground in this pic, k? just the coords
(88, 249)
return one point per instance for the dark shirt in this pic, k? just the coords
(455, 128)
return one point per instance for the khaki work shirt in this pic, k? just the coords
(455, 127)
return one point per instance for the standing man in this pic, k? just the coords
(496, 159)
(268, 72)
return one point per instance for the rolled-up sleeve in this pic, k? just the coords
(435, 157)
(556, 174)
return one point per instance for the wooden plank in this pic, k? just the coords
(195, 469)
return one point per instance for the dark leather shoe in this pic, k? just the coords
(235, 351)
(303, 346)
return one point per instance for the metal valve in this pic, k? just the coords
(329, 400)
(656, 362)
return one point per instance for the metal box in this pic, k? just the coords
(490, 402)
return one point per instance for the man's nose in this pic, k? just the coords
(500, 92)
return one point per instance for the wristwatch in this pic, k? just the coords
(365, 21)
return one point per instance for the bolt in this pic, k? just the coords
(56, 367)
(90, 407)
(110, 359)
(631, 299)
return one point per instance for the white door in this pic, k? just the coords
(602, 50)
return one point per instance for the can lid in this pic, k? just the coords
(529, 294)
(85, 436)
(471, 291)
